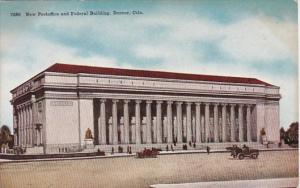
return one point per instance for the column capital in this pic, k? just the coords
(138, 101)
(241, 105)
(197, 103)
(188, 103)
(33, 99)
(126, 101)
(178, 102)
(102, 100)
(215, 103)
(207, 103)
(249, 105)
(159, 102)
(231, 104)
(149, 102)
(115, 100)
(170, 102)
(223, 104)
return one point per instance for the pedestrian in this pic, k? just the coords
(112, 150)
(208, 150)
(130, 150)
(194, 145)
(172, 148)
(167, 148)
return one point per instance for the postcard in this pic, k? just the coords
(149, 93)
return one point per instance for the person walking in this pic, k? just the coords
(208, 150)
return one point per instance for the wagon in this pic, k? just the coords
(241, 153)
(147, 153)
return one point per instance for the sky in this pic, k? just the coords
(246, 38)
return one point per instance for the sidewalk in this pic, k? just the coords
(261, 183)
(108, 155)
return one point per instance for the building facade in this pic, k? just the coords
(56, 109)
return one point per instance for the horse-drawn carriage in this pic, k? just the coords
(147, 153)
(243, 152)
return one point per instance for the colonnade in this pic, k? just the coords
(28, 132)
(148, 121)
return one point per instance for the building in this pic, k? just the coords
(69, 107)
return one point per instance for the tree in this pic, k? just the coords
(5, 136)
(292, 133)
(282, 133)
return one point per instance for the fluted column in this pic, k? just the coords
(189, 122)
(115, 121)
(148, 123)
(207, 124)
(179, 122)
(138, 122)
(30, 126)
(34, 111)
(15, 124)
(198, 123)
(25, 125)
(223, 122)
(216, 123)
(241, 124)
(232, 123)
(248, 123)
(102, 121)
(19, 127)
(169, 123)
(126, 121)
(158, 123)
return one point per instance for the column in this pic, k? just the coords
(30, 126)
(158, 123)
(179, 122)
(189, 122)
(115, 121)
(133, 130)
(19, 127)
(41, 134)
(232, 123)
(34, 111)
(169, 122)
(103, 121)
(207, 133)
(137, 122)
(38, 137)
(126, 121)
(241, 126)
(249, 123)
(148, 123)
(223, 122)
(15, 125)
(25, 125)
(216, 123)
(198, 123)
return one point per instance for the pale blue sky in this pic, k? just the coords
(229, 37)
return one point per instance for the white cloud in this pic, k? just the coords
(252, 39)
(258, 39)
(30, 56)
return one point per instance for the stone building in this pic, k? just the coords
(54, 109)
